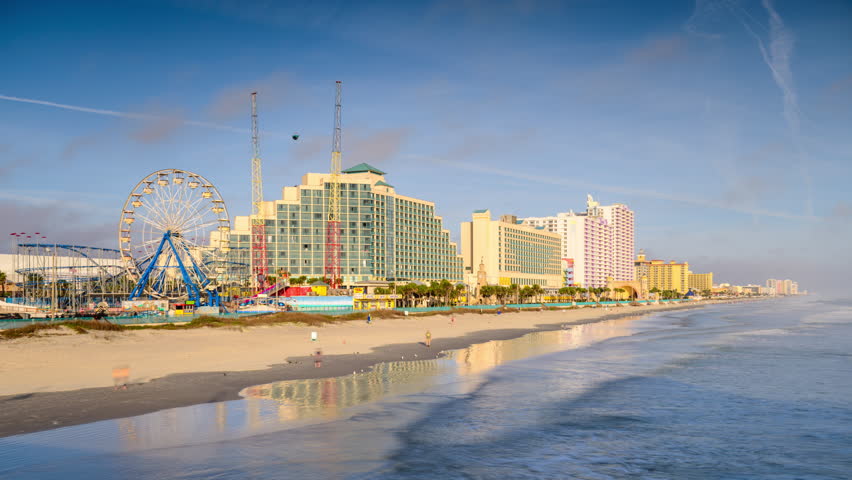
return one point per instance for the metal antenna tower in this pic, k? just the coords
(258, 224)
(332, 233)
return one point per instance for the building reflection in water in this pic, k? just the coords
(311, 398)
(267, 407)
(482, 357)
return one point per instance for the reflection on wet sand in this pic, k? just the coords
(325, 397)
(312, 398)
(482, 357)
(267, 407)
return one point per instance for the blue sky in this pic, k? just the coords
(723, 124)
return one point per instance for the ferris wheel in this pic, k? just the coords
(174, 231)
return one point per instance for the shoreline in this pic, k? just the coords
(31, 411)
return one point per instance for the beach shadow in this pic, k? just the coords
(19, 397)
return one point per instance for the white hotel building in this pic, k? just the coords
(599, 241)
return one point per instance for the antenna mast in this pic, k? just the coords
(258, 224)
(332, 234)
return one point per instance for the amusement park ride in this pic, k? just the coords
(174, 237)
(332, 237)
(174, 244)
(259, 266)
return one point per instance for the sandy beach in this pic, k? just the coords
(62, 378)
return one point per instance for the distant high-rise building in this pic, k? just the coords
(599, 242)
(771, 286)
(776, 286)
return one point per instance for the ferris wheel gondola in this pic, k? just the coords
(174, 230)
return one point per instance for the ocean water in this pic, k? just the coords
(747, 391)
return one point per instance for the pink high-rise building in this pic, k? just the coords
(599, 241)
(620, 219)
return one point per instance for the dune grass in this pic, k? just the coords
(79, 326)
(212, 321)
(27, 331)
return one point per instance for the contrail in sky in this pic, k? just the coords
(777, 58)
(551, 180)
(113, 113)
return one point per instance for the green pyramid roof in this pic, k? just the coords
(383, 184)
(363, 168)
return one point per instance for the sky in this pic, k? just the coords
(723, 124)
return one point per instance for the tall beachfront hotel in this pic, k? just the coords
(385, 236)
(598, 242)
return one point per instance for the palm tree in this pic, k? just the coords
(515, 290)
(502, 292)
(446, 289)
(392, 290)
(3, 282)
(459, 290)
(422, 291)
(407, 292)
(524, 293)
(485, 292)
(537, 291)
(572, 292)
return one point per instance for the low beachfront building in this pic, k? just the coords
(700, 282)
(663, 275)
(510, 252)
(385, 236)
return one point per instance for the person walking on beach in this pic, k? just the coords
(428, 338)
(369, 319)
(120, 377)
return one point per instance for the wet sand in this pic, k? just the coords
(56, 381)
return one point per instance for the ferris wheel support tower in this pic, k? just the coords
(332, 233)
(259, 265)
